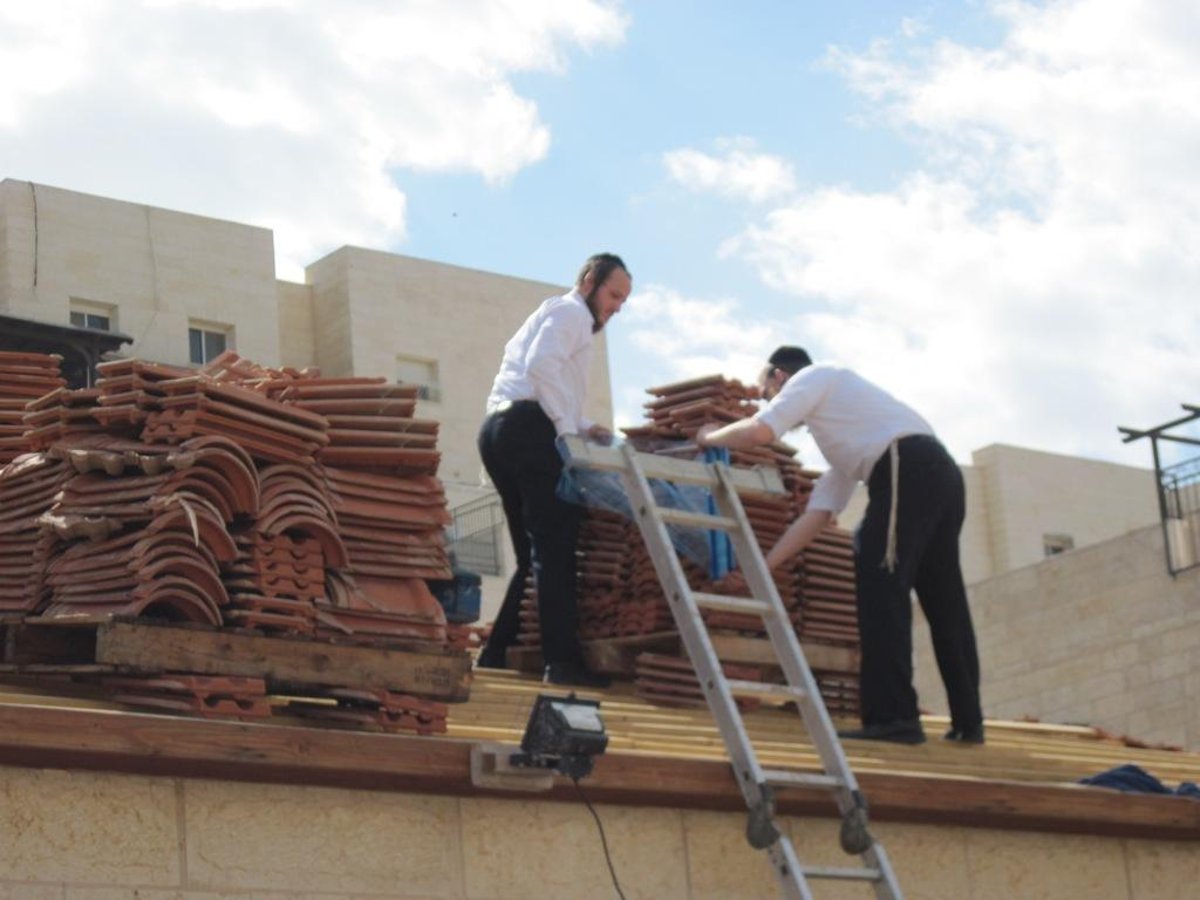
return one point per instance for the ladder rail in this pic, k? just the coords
(790, 655)
(782, 634)
(747, 769)
(755, 782)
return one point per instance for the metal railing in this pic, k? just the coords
(1180, 487)
(1178, 490)
(474, 535)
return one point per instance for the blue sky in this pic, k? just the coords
(991, 208)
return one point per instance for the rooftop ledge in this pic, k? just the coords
(1021, 779)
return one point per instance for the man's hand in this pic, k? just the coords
(600, 435)
(703, 433)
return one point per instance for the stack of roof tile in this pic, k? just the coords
(279, 575)
(378, 710)
(370, 423)
(603, 572)
(671, 681)
(28, 488)
(828, 611)
(130, 391)
(619, 591)
(235, 495)
(378, 469)
(679, 409)
(269, 430)
(155, 521)
(212, 697)
(59, 415)
(24, 377)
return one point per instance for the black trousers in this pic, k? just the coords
(517, 447)
(929, 518)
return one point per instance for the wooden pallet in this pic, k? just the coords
(616, 656)
(81, 646)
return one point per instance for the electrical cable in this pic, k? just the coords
(603, 840)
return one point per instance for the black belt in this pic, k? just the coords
(508, 405)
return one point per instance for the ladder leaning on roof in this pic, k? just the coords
(756, 783)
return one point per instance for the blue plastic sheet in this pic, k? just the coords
(606, 490)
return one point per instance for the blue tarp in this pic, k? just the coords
(1134, 779)
(605, 490)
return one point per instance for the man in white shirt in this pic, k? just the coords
(537, 397)
(908, 537)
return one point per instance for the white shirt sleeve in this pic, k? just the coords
(795, 401)
(564, 331)
(832, 491)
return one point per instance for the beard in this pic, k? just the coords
(590, 299)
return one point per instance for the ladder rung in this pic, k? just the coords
(732, 604)
(841, 874)
(785, 778)
(761, 689)
(691, 519)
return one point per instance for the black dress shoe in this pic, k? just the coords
(966, 736)
(576, 674)
(903, 731)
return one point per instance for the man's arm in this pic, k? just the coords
(557, 339)
(736, 435)
(798, 536)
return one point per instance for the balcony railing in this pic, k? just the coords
(474, 535)
(1180, 486)
(1178, 490)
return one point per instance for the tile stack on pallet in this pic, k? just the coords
(28, 487)
(24, 377)
(379, 472)
(235, 495)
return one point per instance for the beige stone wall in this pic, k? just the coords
(88, 836)
(156, 269)
(1101, 635)
(1029, 494)
(297, 329)
(371, 308)
(1016, 496)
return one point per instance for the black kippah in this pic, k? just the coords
(790, 359)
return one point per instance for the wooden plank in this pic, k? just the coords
(758, 651)
(146, 744)
(612, 656)
(32, 643)
(615, 656)
(282, 661)
(760, 480)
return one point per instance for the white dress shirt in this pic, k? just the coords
(852, 421)
(548, 360)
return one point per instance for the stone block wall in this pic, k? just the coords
(94, 836)
(155, 269)
(1100, 636)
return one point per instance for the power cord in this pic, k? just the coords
(603, 840)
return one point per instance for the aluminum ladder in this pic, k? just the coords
(757, 784)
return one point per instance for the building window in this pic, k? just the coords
(206, 343)
(421, 372)
(1054, 544)
(97, 316)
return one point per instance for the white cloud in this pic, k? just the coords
(1034, 279)
(694, 336)
(686, 337)
(738, 171)
(293, 114)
